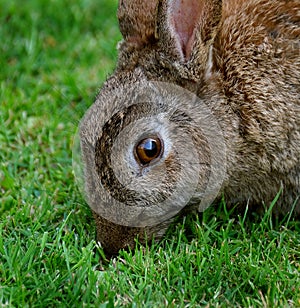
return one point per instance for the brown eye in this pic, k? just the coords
(148, 149)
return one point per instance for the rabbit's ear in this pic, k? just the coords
(137, 19)
(191, 23)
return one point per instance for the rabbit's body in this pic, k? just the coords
(243, 61)
(258, 57)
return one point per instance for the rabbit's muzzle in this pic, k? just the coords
(114, 237)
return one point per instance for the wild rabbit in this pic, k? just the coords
(204, 103)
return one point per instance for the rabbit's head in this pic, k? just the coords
(151, 148)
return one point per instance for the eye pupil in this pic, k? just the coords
(148, 149)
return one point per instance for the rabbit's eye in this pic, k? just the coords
(148, 149)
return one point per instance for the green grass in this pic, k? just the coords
(53, 57)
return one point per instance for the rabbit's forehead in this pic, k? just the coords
(145, 106)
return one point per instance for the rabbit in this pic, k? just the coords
(241, 60)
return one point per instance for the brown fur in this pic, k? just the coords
(252, 86)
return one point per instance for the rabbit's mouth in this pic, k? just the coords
(114, 237)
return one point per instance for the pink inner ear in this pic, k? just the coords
(186, 14)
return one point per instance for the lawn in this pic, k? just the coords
(54, 55)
